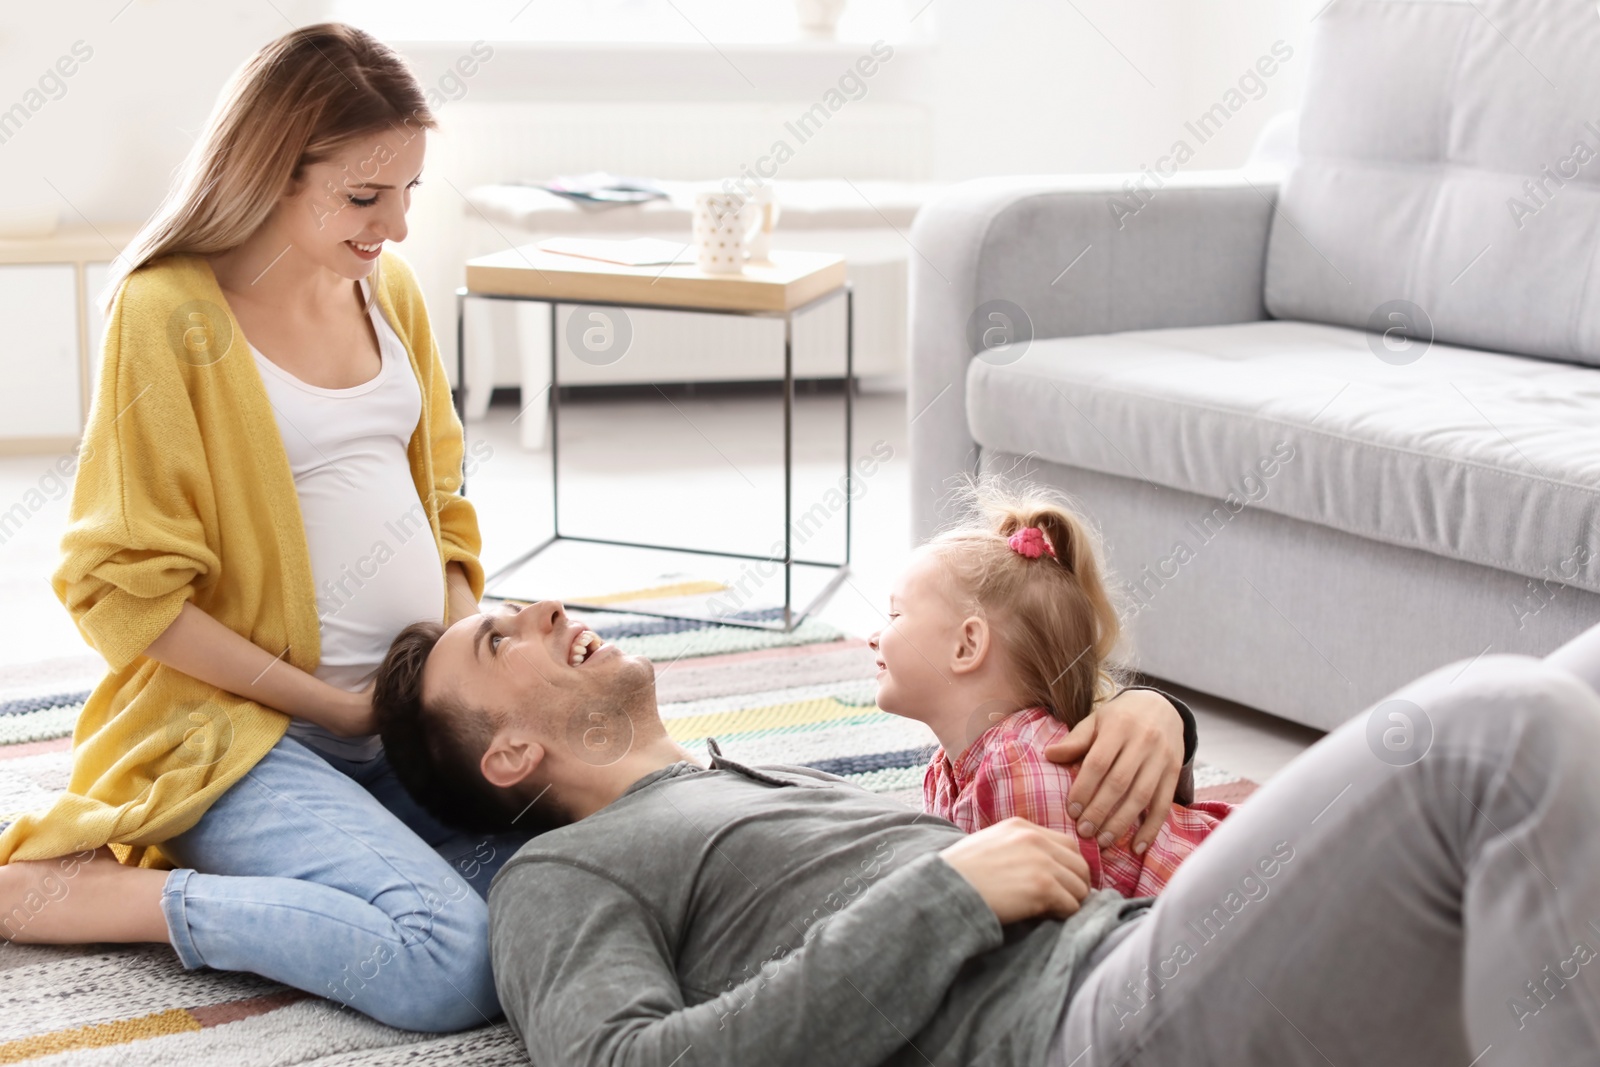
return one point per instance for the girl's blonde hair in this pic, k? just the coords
(294, 103)
(1052, 616)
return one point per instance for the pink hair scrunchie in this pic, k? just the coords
(1029, 541)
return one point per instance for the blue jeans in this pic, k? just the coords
(325, 875)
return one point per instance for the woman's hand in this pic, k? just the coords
(461, 601)
(198, 645)
(1132, 752)
(351, 714)
(1022, 870)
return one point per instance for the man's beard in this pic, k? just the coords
(603, 728)
(598, 731)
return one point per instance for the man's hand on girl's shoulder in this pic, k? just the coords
(1132, 750)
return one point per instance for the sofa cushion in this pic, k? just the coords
(1449, 157)
(1472, 455)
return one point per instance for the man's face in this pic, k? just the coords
(552, 680)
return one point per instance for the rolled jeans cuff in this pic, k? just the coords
(172, 906)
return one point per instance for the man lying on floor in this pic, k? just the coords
(1354, 911)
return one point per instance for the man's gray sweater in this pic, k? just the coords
(748, 917)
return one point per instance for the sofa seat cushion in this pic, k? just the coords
(1471, 455)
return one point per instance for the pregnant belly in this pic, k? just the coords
(376, 568)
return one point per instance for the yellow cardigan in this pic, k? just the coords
(184, 493)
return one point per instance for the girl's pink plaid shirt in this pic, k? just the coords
(1005, 773)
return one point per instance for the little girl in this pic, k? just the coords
(999, 637)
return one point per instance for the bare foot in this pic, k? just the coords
(81, 898)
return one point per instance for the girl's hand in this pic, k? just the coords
(1132, 752)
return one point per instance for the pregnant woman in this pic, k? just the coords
(267, 496)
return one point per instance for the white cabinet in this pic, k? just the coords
(50, 333)
(41, 391)
(95, 277)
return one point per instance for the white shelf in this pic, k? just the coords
(48, 287)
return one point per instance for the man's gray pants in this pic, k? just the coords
(1421, 887)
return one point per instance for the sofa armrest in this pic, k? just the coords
(1078, 255)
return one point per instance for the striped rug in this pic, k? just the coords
(767, 697)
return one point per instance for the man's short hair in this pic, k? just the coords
(435, 749)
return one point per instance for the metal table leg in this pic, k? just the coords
(791, 618)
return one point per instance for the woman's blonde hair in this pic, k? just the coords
(1053, 616)
(296, 102)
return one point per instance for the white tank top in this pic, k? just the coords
(374, 561)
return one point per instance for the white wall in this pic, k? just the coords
(1224, 39)
(1014, 86)
(1031, 86)
(1043, 86)
(108, 145)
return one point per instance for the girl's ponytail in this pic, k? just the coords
(1051, 609)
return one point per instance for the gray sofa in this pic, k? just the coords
(1337, 426)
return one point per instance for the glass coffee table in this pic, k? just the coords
(589, 309)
